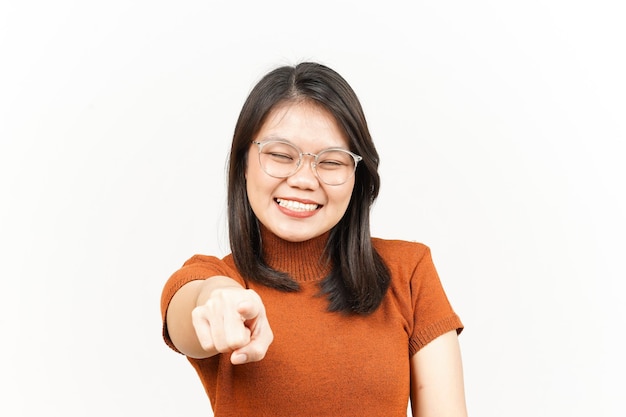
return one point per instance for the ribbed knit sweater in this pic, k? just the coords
(324, 363)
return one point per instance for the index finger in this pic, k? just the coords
(249, 309)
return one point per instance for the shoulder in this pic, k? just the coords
(202, 265)
(196, 268)
(400, 251)
(199, 259)
(409, 263)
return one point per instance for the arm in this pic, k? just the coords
(437, 388)
(218, 315)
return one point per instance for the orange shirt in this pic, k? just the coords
(325, 363)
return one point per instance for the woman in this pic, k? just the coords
(309, 315)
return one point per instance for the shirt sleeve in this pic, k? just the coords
(198, 267)
(433, 315)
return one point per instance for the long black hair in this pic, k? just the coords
(359, 278)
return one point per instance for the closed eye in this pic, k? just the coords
(330, 164)
(280, 157)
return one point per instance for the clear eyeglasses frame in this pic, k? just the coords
(281, 159)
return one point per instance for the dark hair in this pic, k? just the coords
(359, 277)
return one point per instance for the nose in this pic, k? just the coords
(305, 177)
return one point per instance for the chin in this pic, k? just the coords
(297, 235)
(295, 238)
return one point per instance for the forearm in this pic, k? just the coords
(179, 318)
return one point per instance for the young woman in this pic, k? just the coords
(309, 315)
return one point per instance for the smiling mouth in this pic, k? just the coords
(296, 205)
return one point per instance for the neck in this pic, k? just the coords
(303, 261)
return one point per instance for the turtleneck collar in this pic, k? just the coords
(303, 261)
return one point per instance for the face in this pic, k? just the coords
(299, 207)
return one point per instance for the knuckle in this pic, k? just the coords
(239, 339)
(197, 313)
(206, 345)
(222, 349)
(234, 343)
(217, 294)
(252, 295)
(222, 346)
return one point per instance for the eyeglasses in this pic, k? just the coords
(282, 159)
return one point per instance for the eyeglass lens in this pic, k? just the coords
(280, 159)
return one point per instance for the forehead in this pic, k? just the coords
(305, 124)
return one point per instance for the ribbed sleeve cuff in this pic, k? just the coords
(430, 333)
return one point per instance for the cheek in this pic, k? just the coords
(252, 169)
(343, 197)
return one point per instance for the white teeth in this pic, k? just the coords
(295, 205)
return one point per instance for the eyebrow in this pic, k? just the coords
(279, 138)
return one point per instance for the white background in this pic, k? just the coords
(500, 127)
